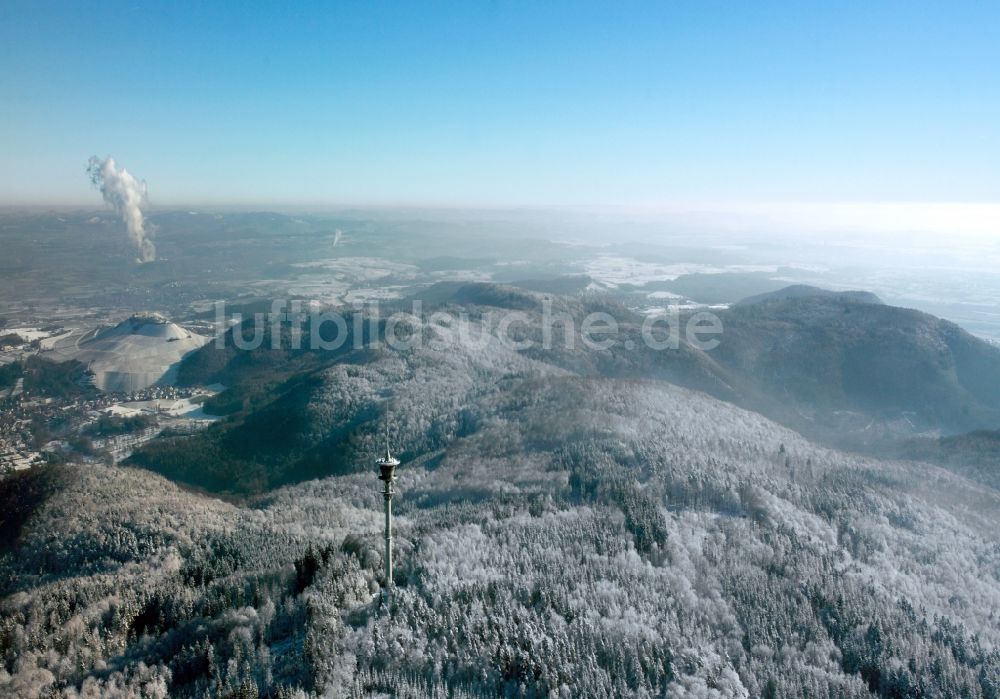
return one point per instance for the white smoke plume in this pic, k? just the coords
(336, 237)
(127, 196)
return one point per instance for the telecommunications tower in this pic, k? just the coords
(387, 474)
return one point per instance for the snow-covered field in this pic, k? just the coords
(615, 270)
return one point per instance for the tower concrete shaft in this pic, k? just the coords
(387, 494)
(387, 474)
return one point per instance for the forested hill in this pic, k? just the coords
(570, 522)
(837, 369)
(579, 537)
(804, 291)
(322, 419)
(841, 364)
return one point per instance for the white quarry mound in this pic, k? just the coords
(137, 353)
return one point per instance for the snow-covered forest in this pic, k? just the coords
(561, 532)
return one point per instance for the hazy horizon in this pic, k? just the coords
(891, 222)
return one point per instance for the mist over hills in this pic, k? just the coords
(842, 370)
(571, 520)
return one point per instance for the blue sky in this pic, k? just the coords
(498, 103)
